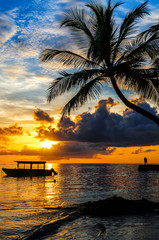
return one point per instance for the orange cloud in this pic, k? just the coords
(109, 102)
(12, 130)
(137, 101)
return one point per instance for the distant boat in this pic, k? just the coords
(22, 171)
(148, 167)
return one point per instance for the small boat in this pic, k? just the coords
(23, 171)
(148, 167)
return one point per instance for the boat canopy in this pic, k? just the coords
(31, 163)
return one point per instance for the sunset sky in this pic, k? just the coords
(102, 131)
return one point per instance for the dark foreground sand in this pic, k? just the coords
(115, 206)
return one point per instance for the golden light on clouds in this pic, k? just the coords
(96, 136)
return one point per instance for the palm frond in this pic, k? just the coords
(149, 43)
(145, 82)
(67, 81)
(125, 68)
(91, 90)
(131, 54)
(150, 31)
(102, 12)
(128, 26)
(138, 49)
(98, 10)
(156, 62)
(67, 58)
(146, 43)
(101, 45)
(75, 19)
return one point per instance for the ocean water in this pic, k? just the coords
(26, 203)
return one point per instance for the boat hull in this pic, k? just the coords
(27, 172)
(148, 167)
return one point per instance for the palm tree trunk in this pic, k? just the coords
(133, 106)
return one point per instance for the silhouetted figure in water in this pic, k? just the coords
(145, 161)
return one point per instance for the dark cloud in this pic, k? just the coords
(103, 126)
(66, 123)
(140, 150)
(11, 130)
(150, 150)
(63, 150)
(42, 117)
(66, 150)
(141, 103)
(62, 134)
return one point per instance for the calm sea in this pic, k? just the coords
(23, 202)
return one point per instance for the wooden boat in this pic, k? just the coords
(23, 171)
(148, 167)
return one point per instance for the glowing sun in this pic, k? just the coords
(47, 144)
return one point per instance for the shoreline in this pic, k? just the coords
(114, 206)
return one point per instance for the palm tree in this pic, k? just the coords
(110, 53)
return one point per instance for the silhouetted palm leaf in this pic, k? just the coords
(67, 58)
(143, 83)
(128, 26)
(76, 19)
(68, 81)
(153, 29)
(90, 91)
